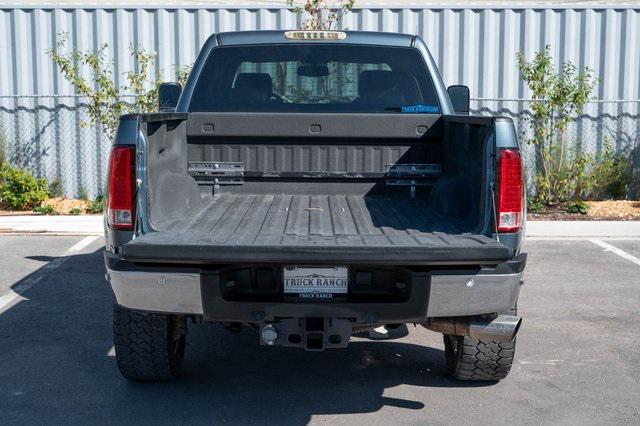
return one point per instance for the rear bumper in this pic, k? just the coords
(434, 293)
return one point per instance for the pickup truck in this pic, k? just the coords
(311, 186)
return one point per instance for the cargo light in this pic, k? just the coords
(120, 191)
(509, 190)
(315, 35)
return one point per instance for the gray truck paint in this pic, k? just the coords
(161, 169)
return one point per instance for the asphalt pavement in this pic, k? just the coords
(577, 359)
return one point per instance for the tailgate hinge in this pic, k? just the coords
(217, 172)
(412, 175)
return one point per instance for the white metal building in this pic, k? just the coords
(474, 43)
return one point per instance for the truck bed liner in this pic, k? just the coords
(315, 229)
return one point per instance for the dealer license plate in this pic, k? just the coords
(316, 283)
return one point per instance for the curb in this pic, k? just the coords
(583, 229)
(51, 225)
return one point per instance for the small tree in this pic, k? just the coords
(556, 97)
(182, 74)
(106, 100)
(320, 14)
(3, 146)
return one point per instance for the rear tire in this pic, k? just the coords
(473, 359)
(149, 347)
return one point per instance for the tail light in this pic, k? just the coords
(509, 190)
(121, 191)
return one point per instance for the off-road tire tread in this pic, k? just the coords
(141, 344)
(481, 360)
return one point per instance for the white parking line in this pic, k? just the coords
(15, 294)
(81, 244)
(623, 254)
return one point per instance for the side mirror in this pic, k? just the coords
(459, 95)
(168, 95)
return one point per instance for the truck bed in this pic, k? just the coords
(315, 229)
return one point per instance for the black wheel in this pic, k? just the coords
(472, 359)
(149, 347)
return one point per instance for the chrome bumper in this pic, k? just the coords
(463, 295)
(449, 295)
(172, 292)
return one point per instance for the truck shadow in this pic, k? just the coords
(56, 358)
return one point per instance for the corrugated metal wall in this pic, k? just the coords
(476, 47)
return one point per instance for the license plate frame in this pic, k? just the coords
(315, 282)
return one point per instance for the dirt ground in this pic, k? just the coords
(598, 210)
(64, 205)
(61, 206)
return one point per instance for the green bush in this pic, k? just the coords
(557, 98)
(578, 207)
(90, 73)
(55, 188)
(96, 206)
(603, 176)
(83, 195)
(19, 190)
(611, 174)
(45, 210)
(75, 211)
(534, 205)
(3, 148)
(567, 182)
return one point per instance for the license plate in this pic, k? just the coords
(316, 283)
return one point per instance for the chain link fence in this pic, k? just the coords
(50, 136)
(601, 123)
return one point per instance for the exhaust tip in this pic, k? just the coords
(502, 328)
(516, 328)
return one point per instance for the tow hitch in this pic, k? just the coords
(312, 334)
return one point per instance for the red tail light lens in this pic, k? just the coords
(509, 190)
(121, 206)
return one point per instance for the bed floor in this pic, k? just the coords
(361, 227)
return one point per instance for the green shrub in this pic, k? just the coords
(320, 15)
(611, 174)
(19, 190)
(570, 181)
(578, 207)
(96, 206)
(3, 148)
(55, 188)
(604, 176)
(83, 195)
(90, 73)
(45, 210)
(75, 211)
(534, 205)
(557, 98)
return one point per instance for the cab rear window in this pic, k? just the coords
(315, 78)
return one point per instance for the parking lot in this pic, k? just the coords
(577, 360)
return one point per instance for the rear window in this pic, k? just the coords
(315, 78)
